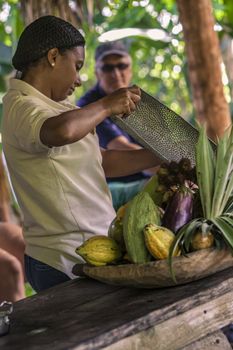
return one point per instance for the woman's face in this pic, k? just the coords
(65, 76)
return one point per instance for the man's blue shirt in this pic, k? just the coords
(108, 131)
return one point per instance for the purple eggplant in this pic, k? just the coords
(179, 209)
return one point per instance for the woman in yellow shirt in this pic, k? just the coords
(57, 169)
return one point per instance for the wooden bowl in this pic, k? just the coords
(156, 274)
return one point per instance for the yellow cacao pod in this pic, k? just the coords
(202, 240)
(121, 211)
(158, 241)
(99, 250)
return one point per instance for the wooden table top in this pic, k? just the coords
(86, 314)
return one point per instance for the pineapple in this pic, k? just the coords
(215, 182)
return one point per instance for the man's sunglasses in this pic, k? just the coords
(107, 68)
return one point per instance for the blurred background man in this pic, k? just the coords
(113, 69)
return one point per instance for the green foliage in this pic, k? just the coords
(223, 11)
(159, 67)
(29, 291)
(11, 25)
(215, 185)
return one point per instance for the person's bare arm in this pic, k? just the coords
(12, 241)
(5, 212)
(122, 163)
(73, 125)
(11, 276)
(122, 143)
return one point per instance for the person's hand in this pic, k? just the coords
(123, 101)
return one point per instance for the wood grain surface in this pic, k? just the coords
(84, 314)
(214, 341)
(156, 274)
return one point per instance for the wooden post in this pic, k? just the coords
(204, 62)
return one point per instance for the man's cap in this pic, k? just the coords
(43, 34)
(110, 48)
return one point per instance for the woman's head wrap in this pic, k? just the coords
(43, 34)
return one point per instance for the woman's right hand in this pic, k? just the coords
(123, 101)
(73, 125)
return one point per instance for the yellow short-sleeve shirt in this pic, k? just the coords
(62, 191)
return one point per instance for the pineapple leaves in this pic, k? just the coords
(223, 183)
(183, 239)
(205, 164)
(227, 194)
(225, 226)
(174, 246)
(215, 183)
(191, 228)
(214, 173)
(229, 206)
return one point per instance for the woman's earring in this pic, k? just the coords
(53, 64)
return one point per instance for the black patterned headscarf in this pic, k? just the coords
(43, 34)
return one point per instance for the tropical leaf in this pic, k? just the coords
(205, 166)
(177, 243)
(229, 220)
(226, 230)
(221, 152)
(173, 248)
(191, 228)
(229, 206)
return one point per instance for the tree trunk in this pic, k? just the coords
(80, 11)
(204, 62)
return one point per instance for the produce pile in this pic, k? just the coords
(181, 209)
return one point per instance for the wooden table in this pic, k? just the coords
(86, 314)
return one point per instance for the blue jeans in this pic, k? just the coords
(42, 276)
(122, 192)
